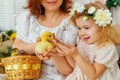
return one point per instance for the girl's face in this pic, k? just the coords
(51, 5)
(89, 32)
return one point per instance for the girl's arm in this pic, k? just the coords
(62, 65)
(92, 71)
(71, 61)
(26, 47)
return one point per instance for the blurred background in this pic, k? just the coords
(9, 10)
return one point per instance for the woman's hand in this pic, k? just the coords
(42, 56)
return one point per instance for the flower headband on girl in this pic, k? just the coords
(101, 16)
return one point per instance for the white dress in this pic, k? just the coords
(106, 55)
(28, 29)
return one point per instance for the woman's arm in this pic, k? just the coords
(26, 47)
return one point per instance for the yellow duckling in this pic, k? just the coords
(15, 52)
(13, 36)
(45, 43)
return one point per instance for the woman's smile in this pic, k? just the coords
(52, 2)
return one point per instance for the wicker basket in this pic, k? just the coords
(22, 67)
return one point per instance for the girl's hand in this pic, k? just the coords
(63, 50)
(53, 52)
(68, 49)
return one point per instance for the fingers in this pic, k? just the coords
(51, 52)
(56, 40)
(62, 47)
(38, 39)
(42, 57)
(60, 50)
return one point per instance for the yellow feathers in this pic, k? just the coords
(45, 43)
(16, 51)
(13, 36)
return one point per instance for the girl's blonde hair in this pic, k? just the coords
(109, 32)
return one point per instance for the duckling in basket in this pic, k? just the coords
(45, 43)
(16, 51)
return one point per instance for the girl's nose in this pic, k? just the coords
(81, 33)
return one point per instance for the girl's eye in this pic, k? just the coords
(79, 28)
(87, 27)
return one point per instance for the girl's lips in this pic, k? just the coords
(86, 38)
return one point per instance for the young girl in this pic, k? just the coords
(96, 55)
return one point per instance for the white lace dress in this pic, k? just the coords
(28, 29)
(106, 55)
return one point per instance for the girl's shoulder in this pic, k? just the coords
(107, 54)
(108, 44)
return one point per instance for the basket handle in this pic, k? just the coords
(1, 37)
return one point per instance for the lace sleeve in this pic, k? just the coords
(22, 26)
(69, 34)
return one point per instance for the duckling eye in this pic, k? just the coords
(49, 35)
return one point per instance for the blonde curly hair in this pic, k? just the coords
(109, 32)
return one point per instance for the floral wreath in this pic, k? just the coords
(101, 16)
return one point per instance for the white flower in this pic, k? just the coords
(80, 9)
(102, 17)
(91, 10)
(77, 8)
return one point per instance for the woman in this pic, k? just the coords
(46, 15)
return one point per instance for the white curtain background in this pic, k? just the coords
(9, 10)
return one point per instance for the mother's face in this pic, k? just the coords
(51, 5)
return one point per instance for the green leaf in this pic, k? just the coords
(112, 3)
